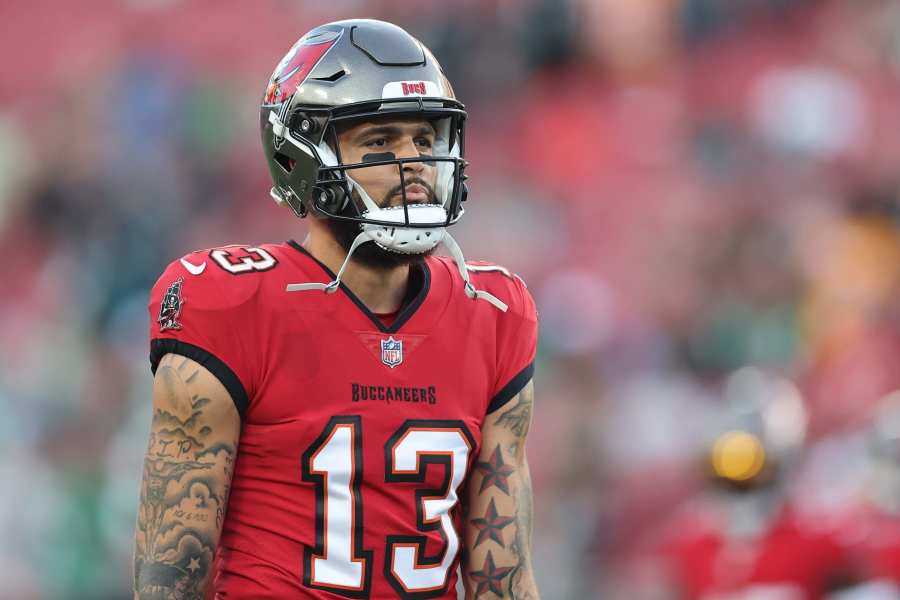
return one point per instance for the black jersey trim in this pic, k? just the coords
(512, 388)
(159, 347)
(407, 310)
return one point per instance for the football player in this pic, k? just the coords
(752, 534)
(346, 417)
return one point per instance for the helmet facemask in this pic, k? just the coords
(407, 205)
(335, 180)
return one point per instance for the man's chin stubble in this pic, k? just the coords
(370, 254)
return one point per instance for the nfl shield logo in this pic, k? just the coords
(391, 352)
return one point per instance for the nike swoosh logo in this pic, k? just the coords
(192, 268)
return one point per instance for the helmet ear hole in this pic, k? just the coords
(286, 162)
(329, 198)
(324, 198)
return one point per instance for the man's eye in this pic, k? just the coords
(424, 142)
(376, 143)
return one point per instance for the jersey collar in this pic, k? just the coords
(420, 284)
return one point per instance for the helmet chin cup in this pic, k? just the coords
(407, 240)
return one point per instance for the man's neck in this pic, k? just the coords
(381, 290)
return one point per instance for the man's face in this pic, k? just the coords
(384, 140)
(387, 139)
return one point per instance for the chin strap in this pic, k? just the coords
(365, 236)
(471, 292)
(332, 286)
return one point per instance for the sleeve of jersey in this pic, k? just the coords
(517, 333)
(192, 317)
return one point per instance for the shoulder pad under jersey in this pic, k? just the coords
(516, 329)
(226, 275)
(504, 284)
(202, 308)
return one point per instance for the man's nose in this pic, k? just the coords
(410, 150)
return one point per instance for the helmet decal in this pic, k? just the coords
(400, 89)
(297, 64)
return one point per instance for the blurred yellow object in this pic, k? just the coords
(738, 456)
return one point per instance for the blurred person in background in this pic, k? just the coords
(873, 521)
(752, 533)
(363, 436)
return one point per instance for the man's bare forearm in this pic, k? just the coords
(521, 582)
(184, 492)
(500, 511)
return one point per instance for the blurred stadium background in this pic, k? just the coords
(701, 194)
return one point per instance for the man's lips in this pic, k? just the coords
(416, 193)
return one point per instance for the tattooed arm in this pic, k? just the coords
(499, 513)
(187, 475)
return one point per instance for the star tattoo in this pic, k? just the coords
(195, 564)
(495, 473)
(491, 525)
(489, 577)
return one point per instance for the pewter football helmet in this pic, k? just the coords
(353, 71)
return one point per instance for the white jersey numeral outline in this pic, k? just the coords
(412, 449)
(333, 462)
(245, 264)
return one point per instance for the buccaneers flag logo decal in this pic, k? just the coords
(170, 307)
(297, 64)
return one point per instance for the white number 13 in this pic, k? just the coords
(333, 463)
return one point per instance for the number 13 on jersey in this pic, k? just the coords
(334, 464)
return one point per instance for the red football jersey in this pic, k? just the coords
(788, 559)
(878, 533)
(357, 438)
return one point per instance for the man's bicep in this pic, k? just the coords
(499, 507)
(510, 424)
(186, 393)
(187, 475)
